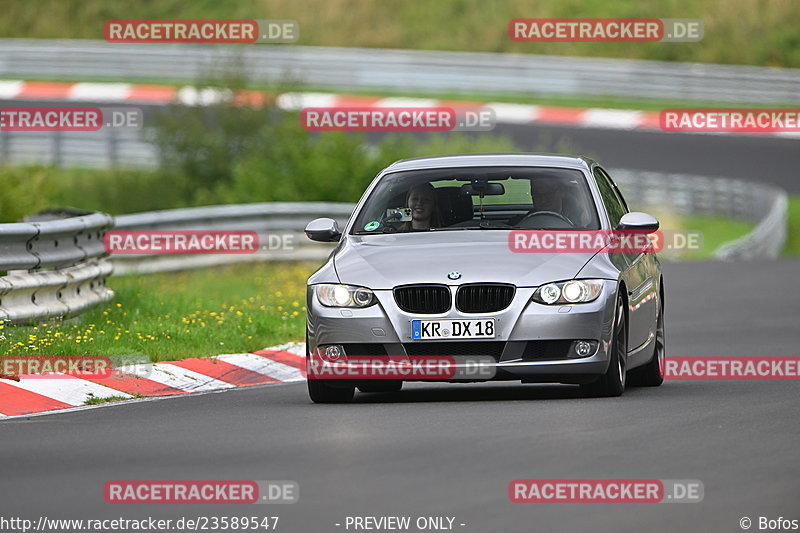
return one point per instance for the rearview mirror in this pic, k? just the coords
(482, 188)
(638, 221)
(323, 230)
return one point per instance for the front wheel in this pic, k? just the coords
(321, 392)
(652, 374)
(612, 383)
(381, 385)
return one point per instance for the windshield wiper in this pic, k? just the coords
(482, 225)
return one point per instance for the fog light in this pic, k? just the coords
(333, 352)
(584, 348)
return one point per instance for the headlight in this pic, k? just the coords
(576, 291)
(344, 296)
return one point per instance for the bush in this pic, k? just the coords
(24, 191)
(224, 154)
(29, 189)
(239, 155)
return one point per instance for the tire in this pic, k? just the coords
(381, 385)
(612, 383)
(321, 391)
(652, 374)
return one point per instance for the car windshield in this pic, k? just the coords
(456, 199)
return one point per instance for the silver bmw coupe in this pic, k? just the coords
(498, 261)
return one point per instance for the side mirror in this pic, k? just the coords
(638, 221)
(323, 230)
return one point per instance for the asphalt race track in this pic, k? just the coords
(773, 160)
(451, 450)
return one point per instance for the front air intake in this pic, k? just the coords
(423, 299)
(484, 297)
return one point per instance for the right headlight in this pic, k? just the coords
(575, 291)
(344, 296)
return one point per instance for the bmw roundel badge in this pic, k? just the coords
(454, 275)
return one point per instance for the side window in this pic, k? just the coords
(613, 202)
(616, 189)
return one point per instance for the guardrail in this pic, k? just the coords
(683, 194)
(768, 237)
(105, 148)
(53, 267)
(405, 70)
(284, 219)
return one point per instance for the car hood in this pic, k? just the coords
(385, 261)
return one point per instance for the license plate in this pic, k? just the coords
(452, 329)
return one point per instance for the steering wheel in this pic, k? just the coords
(388, 226)
(532, 214)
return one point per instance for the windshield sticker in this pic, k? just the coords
(372, 226)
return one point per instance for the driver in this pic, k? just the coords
(553, 195)
(547, 195)
(424, 210)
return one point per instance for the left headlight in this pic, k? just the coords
(344, 296)
(575, 291)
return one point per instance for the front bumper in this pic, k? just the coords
(531, 342)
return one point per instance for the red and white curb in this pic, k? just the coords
(31, 395)
(505, 113)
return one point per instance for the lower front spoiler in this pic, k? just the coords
(571, 371)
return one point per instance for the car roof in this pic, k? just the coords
(490, 160)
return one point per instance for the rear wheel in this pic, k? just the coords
(323, 390)
(612, 383)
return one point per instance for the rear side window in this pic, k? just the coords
(611, 199)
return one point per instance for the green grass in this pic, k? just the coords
(94, 400)
(716, 232)
(793, 235)
(169, 316)
(736, 31)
